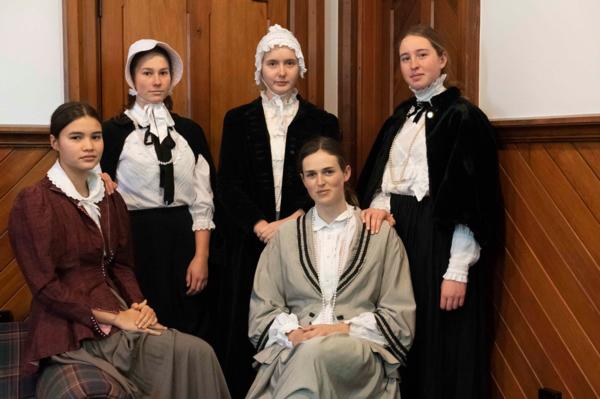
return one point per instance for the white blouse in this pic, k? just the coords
(279, 113)
(138, 173)
(332, 246)
(407, 173)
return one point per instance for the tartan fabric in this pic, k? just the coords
(75, 381)
(12, 343)
(57, 381)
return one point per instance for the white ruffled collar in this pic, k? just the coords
(319, 223)
(278, 101)
(59, 178)
(436, 87)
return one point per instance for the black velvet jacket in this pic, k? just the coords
(462, 161)
(246, 174)
(116, 130)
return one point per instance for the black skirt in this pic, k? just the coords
(450, 354)
(164, 244)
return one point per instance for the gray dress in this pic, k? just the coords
(375, 279)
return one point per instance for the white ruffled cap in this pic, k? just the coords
(277, 37)
(148, 44)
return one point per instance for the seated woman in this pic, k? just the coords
(332, 311)
(72, 244)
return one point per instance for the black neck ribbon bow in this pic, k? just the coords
(165, 162)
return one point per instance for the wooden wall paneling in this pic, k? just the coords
(579, 173)
(591, 153)
(547, 193)
(515, 294)
(552, 241)
(14, 166)
(21, 168)
(232, 57)
(504, 377)
(200, 65)
(374, 80)
(19, 303)
(82, 73)
(4, 152)
(278, 12)
(6, 253)
(549, 130)
(556, 291)
(531, 291)
(570, 203)
(113, 50)
(164, 20)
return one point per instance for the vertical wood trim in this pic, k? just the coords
(469, 22)
(347, 59)
(278, 12)
(200, 61)
(81, 45)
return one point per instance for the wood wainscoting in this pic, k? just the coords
(547, 295)
(25, 157)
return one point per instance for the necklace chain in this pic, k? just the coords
(405, 162)
(340, 267)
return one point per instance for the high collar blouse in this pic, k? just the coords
(138, 174)
(279, 113)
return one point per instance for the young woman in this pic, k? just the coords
(332, 310)
(71, 241)
(163, 167)
(259, 186)
(434, 171)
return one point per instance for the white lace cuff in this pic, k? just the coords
(283, 324)
(464, 253)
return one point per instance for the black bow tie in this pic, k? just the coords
(165, 162)
(419, 109)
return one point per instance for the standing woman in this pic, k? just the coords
(164, 170)
(72, 243)
(259, 185)
(434, 171)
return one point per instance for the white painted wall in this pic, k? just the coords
(331, 56)
(31, 61)
(539, 58)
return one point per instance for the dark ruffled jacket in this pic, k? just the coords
(462, 161)
(60, 251)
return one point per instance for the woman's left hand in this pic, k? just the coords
(196, 277)
(452, 294)
(109, 185)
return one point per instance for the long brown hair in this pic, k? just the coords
(332, 147)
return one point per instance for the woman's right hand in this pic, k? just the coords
(373, 218)
(127, 320)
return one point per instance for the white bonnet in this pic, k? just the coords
(148, 44)
(277, 37)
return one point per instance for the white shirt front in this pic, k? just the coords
(138, 173)
(279, 114)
